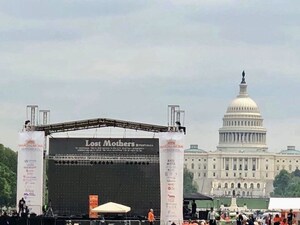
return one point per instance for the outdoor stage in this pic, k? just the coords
(125, 171)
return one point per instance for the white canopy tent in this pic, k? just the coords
(284, 204)
(111, 207)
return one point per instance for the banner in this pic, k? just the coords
(30, 171)
(107, 146)
(93, 203)
(171, 154)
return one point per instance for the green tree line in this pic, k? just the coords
(8, 176)
(287, 184)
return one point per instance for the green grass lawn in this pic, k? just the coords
(252, 203)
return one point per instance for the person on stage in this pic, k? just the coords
(21, 206)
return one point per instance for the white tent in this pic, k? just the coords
(284, 204)
(111, 207)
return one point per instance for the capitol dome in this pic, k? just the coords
(242, 105)
(242, 124)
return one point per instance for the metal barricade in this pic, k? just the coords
(119, 222)
(69, 221)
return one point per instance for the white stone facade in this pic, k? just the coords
(241, 165)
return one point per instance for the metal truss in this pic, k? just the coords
(98, 123)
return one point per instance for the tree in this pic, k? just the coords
(8, 157)
(293, 189)
(281, 183)
(6, 192)
(8, 176)
(7, 185)
(287, 184)
(188, 184)
(296, 173)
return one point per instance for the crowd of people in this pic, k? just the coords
(20, 212)
(224, 218)
(280, 219)
(240, 218)
(213, 217)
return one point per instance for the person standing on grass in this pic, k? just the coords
(290, 217)
(211, 217)
(194, 209)
(151, 217)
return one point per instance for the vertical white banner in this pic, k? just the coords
(171, 154)
(30, 170)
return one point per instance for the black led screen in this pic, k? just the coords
(132, 180)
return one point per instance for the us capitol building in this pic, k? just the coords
(241, 165)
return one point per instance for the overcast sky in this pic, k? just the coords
(130, 59)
